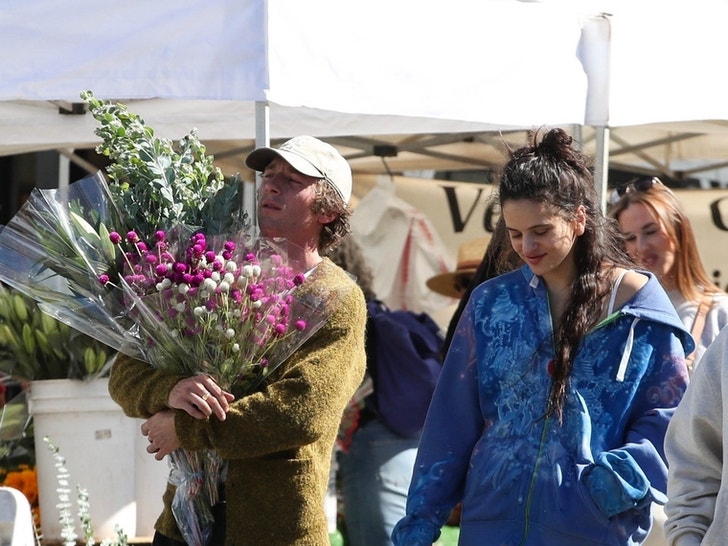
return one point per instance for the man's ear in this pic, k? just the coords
(326, 217)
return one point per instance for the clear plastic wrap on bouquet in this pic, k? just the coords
(231, 306)
(195, 475)
(54, 249)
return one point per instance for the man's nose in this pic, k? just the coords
(269, 184)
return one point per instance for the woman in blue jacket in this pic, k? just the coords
(549, 416)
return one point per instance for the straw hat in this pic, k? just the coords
(470, 254)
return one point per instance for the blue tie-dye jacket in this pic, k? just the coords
(527, 480)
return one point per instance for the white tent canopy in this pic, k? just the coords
(333, 68)
(326, 67)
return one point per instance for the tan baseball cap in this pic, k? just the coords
(309, 156)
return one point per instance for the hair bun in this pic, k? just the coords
(556, 144)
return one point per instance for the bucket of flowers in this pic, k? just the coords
(36, 348)
(158, 259)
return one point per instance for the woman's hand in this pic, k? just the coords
(200, 397)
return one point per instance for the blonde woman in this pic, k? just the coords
(658, 235)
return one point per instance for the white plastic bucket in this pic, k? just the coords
(98, 443)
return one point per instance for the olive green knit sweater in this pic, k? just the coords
(277, 441)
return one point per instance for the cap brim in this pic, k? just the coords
(445, 283)
(260, 158)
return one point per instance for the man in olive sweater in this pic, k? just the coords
(276, 441)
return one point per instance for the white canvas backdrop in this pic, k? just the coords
(326, 64)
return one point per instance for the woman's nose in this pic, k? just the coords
(642, 245)
(529, 243)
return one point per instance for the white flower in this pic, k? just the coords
(215, 276)
(236, 348)
(183, 288)
(229, 333)
(230, 266)
(199, 311)
(209, 285)
(229, 278)
(180, 307)
(256, 270)
(248, 270)
(257, 304)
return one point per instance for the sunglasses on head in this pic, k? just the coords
(641, 184)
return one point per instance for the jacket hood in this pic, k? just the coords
(651, 302)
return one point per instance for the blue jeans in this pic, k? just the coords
(375, 478)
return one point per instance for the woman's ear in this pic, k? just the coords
(580, 220)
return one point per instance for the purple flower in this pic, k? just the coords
(160, 236)
(280, 329)
(104, 279)
(160, 270)
(300, 325)
(298, 279)
(114, 237)
(132, 237)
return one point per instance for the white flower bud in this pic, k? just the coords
(209, 284)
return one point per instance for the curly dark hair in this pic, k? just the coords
(328, 201)
(554, 172)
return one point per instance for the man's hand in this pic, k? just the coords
(160, 431)
(201, 397)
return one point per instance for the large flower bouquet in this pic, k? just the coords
(162, 264)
